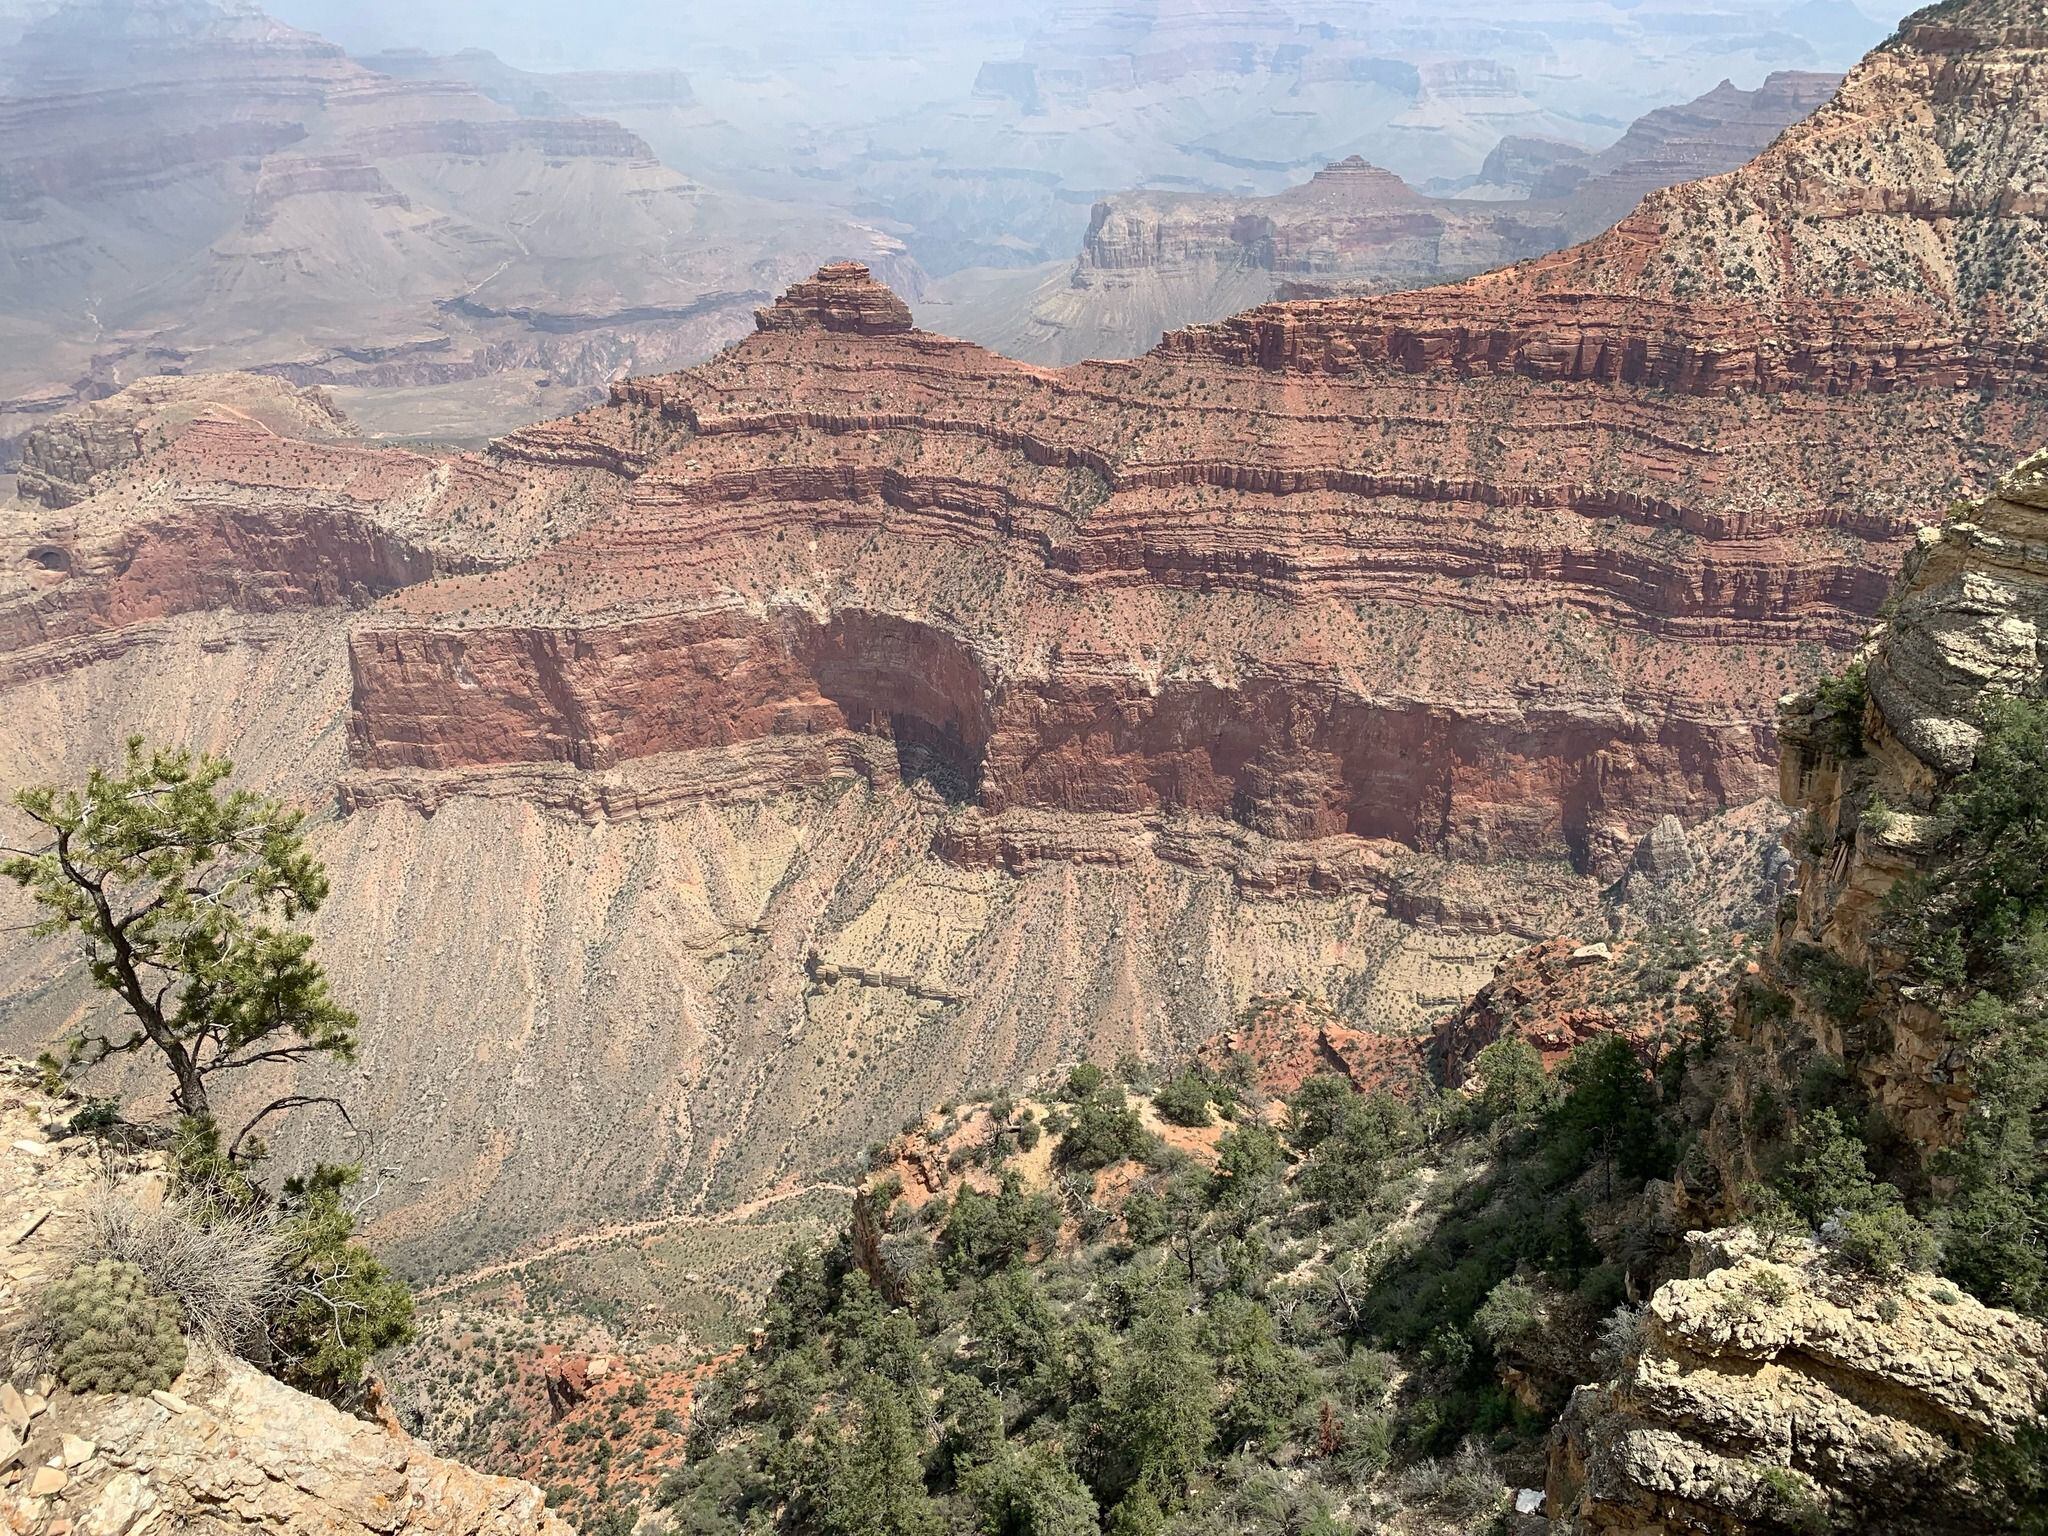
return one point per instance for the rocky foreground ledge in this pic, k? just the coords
(227, 1450)
(1767, 1393)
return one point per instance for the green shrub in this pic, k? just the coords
(1791, 1503)
(1316, 1111)
(1511, 1080)
(1104, 1130)
(1769, 1287)
(1842, 701)
(1184, 1101)
(1085, 1081)
(1512, 1312)
(110, 1332)
(1884, 1241)
(1837, 987)
(345, 1305)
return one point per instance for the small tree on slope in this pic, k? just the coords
(175, 892)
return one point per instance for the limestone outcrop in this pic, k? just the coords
(227, 1450)
(1767, 1393)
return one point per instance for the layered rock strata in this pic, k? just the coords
(60, 461)
(860, 716)
(1155, 261)
(1717, 132)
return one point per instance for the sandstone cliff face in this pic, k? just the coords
(931, 537)
(1766, 1394)
(227, 1450)
(1015, 505)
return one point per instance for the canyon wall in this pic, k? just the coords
(808, 735)
(188, 188)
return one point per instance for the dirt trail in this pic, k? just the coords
(597, 1237)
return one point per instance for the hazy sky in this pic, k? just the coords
(621, 33)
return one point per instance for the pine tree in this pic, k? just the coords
(175, 891)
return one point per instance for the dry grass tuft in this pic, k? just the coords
(224, 1274)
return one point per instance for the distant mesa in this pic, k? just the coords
(843, 296)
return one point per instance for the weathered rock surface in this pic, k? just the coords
(1287, 1040)
(1764, 1388)
(233, 1451)
(1561, 994)
(1719, 131)
(1972, 596)
(227, 1450)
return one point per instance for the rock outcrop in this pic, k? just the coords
(1765, 1393)
(60, 460)
(1962, 627)
(227, 1450)
(1284, 1041)
(1866, 251)
(1353, 223)
(843, 297)
(1360, 465)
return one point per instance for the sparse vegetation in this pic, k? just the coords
(1138, 1372)
(1842, 700)
(177, 891)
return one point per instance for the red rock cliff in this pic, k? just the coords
(1509, 568)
